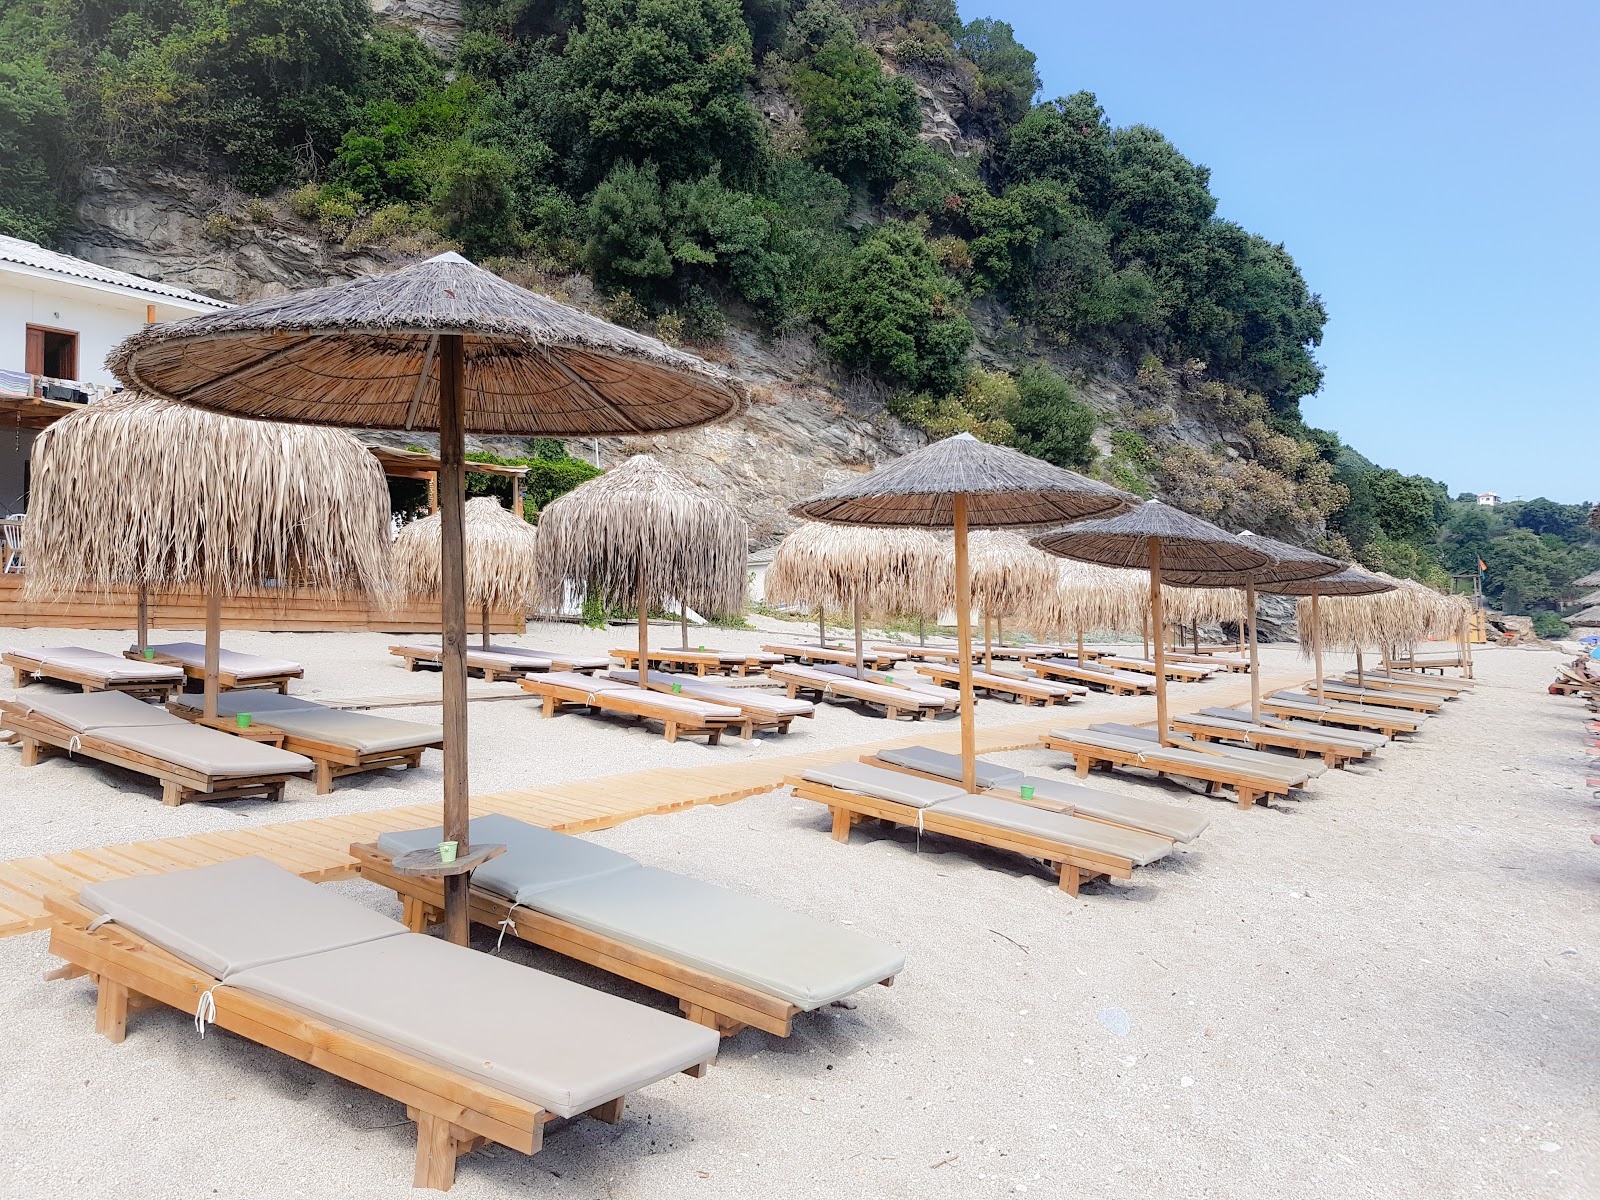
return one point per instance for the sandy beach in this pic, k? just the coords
(1384, 986)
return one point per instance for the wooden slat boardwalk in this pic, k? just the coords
(318, 848)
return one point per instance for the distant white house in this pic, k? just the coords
(1488, 499)
(59, 318)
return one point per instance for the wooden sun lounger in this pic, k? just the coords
(1419, 684)
(333, 759)
(1381, 697)
(1387, 723)
(1211, 729)
(888, 697)
(701, 662)
(1028, 691)
(1176, 671)
(760, 708)
(492, 665)
(704, 998)
(1073, 864)
(41, 736)
(229, 680)
(924, 653)
(905, 680)
(1213, 771)
(878, 659)
(1228, 662)
(1122, 683)
(557, 694)
(27, 669)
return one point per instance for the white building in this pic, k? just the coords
(1488, 499)
(59, 318)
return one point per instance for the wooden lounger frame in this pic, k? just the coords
(1234, 664)
(226, 680)
(1024, 690)
(1349, 718)
(1247, 788)
(1333, 754)
(874, 659)
(703, 662)
(455, 1114)
(40, 737)
(557, 696)
(1090, 677)
(1429, 685)
(705, 999)
(1074, 864)
(839, 686)
(29, 671)
(333, 761)
(412, 657)
(1177, 672)
(1382, 698)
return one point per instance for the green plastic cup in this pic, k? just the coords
(1027, 791)
(676, 688)
(447, 852)
(149, 654)
(702, 647)
(244, 720)
(888, 678)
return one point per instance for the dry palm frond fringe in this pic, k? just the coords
(893, 572)
(501, 556)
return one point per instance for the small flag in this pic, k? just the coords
(1482, 566)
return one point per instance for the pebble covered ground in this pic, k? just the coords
(1385, 986)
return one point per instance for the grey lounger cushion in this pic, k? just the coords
(849, 686)
(257, 703)
(948, 766)
(563, 1046)
(234, 662)
(745, 698)
(209, 751)
(1156, 758)
(1354, 737)
(809, 963)
(235, 915)
(1166, 820)
(594, 684)
(360, 732)
(94, 711)
(1264, 761)
(883, 784)
(573, 662)
(1242, 730)
(1016, 817)
(535, 860)
(112, 668)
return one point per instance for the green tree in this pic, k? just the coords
(33, 132)
(859, 121)
(1008, 73)
(473, 196)
(891, 308)
(1050, 422)
(1065, 141)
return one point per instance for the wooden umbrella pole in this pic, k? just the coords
(822, 633)
(485, 624)
(1144, 635)
(683, 623)
(1316, 643)
(861, 669)
(213, 649)
(1080, 645)
(143, 634)
(452, 480)
(644, 627)
(969, 733)
(1161, 648)
(1361, 676)
(1255, 652)
(1466, 649)
(999, 637)
(1196, 628)
(988, 658)
(922, 630)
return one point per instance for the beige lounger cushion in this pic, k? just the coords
(535, 860)
(948, 766)
(1165, 820)
(92, 711)
(1242, 729)
(257, 703)
(883, 784)
(1155, 757)
(594, 684)
(234, 662)
(1012, 815)
(580, 662)
(1353, 737)
(563, 1046)
(1345, 703)
(1263, 762)
(807, 962)
(362, 733)
(208, 751)
(850, 686)
(746, 698)
(235, 915)
(111, 668)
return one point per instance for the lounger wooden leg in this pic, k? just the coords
(436, 1153)
(549, 706)
(1081, 763)
(671, 730)
(324, 776)
(843, 818)
(171, 793)
(1071, 877)
(610, 1112)
(30, 752)
(111, 1010)
(414, 913)
(1247, 798)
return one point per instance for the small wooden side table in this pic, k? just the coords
(256, 733)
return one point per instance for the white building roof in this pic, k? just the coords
(35, 259)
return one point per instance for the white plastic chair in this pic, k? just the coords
(11, 527)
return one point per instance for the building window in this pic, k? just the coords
(52, 352)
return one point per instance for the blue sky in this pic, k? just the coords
(1435, 171)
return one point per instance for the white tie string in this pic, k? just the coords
(507, 924)
(72, 745)
(205, 1011)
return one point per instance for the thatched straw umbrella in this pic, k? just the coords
(438, 345)
(1199, 551)
(644, 532)
(1591, 598)
(1009, 579)
(884, 572)
(1094, 597)
(143, 493)
(952, 484)
(500, 548)
(1348, 582)
(1592, 579)
(1587, 618)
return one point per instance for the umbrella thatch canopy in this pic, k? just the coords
(1591, 598)
(1588, 617)
(1155, 535)
(1009, 579)
(439, 345)
(1349, 582)
(1592, 579)
(1198, 605)
(883, 572)
(140, 492)
(954, 484)
(501, 568)
(644, 533)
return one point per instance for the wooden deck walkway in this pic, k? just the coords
(318, 848)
